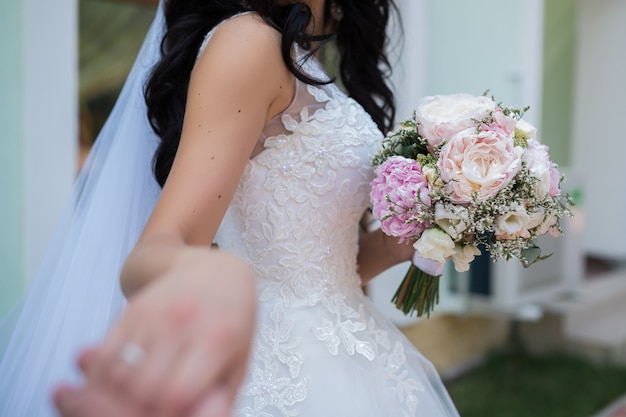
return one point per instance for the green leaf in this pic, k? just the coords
(532, 255)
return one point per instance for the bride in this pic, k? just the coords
(260, 154)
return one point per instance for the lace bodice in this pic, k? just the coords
(295, 214)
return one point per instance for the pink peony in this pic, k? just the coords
(478, 163)
(402, 181)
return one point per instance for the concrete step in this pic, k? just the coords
(603, 339)
(591, 323)
(601, 299)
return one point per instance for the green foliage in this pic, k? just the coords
(403, 141)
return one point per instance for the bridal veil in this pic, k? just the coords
(75, 296)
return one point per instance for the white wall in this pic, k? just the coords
(42, 102)
(49, 116)
(11, 153)
(407, 53)
(600, 146)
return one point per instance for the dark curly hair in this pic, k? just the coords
(360, 38)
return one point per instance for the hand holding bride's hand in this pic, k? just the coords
(182, 345)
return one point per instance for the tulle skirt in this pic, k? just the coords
(337, 358)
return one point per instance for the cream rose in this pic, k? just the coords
(441, 117)
(452, 219)
(478, 163)
(434, 244)
(463, 255)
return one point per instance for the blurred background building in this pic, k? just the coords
(63, 64)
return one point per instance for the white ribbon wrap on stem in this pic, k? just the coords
(431, 267)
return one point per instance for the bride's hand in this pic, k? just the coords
(378, 252)
(182, 345)
(396, 250)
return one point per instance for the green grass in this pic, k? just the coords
(519, 385)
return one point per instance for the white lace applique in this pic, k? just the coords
(274, 382)
(405, 387)
(343, 331)
(380, 336)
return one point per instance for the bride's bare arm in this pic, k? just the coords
(238, 83)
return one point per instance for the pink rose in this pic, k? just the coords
(441, 117)
(478, 163)
(400, 180)
(541, 167)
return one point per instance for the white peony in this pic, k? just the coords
(441, 117)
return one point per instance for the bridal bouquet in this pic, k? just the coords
(462, 172)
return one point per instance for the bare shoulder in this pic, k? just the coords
(244, 55)
(252, 26)
(246, 38)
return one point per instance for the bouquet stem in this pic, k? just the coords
(418, 292)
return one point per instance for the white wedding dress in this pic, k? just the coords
(321, 348)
